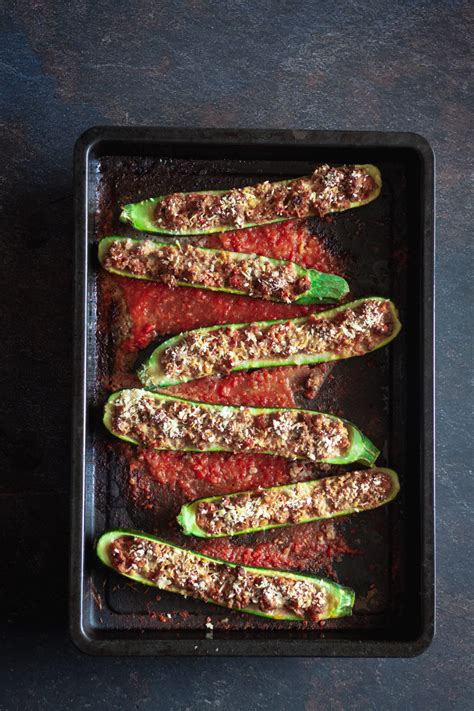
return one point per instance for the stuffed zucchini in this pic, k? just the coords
(248, 511)
(351, 330)
(328, 189)
(277, 594)
(220, 270)
(161, 421)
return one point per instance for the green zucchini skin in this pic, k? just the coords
(325, 288)
(187, 516)
(361, 449)
(151, 376)
(343, 597)
(141, 214)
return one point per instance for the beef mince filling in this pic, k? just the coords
(170, 264)
(168, 424)
(326, 190)
(293, 504)
(175, 569)
(353, 331)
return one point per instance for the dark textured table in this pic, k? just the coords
(380, 65)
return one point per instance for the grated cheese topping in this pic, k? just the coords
(239, 588)
(326, 190)
(276, 280)
(351, 332)
(178, 425)
(355, 491)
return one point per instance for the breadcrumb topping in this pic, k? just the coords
(328, 189)
(351, 332)
(239, 588)
(355, 491)
(261, 277)
(179, 424)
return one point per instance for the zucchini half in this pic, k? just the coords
(142, 214)
(360, 449)
(341, 598)
(325, 288)
(187, 516)
(151, 374)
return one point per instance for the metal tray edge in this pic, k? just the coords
(85, 144)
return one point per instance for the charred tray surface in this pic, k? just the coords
(378, 553)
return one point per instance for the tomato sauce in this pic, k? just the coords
(182, 477)
(157, 309)
(290, 240)
(274, 387)
(311, 547)
(163, 481)
(194, 475)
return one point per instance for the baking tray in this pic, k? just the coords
(391, 243)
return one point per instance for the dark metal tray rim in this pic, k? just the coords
(89, 141)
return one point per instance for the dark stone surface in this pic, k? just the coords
(66, 66)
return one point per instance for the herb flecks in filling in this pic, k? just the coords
(350, 332)
(294, 504)
(212, 269)
(180, 425)
(239, 588)
(328, 189)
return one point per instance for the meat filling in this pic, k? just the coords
(211, 269)
(326, 190)
(351, 332)
(354, 491)
(175, 424)
(178, 570)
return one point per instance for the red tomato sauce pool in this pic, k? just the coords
(157, 309)
(291, 240)
(310, 547)
(193, 475)
(273, 387)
